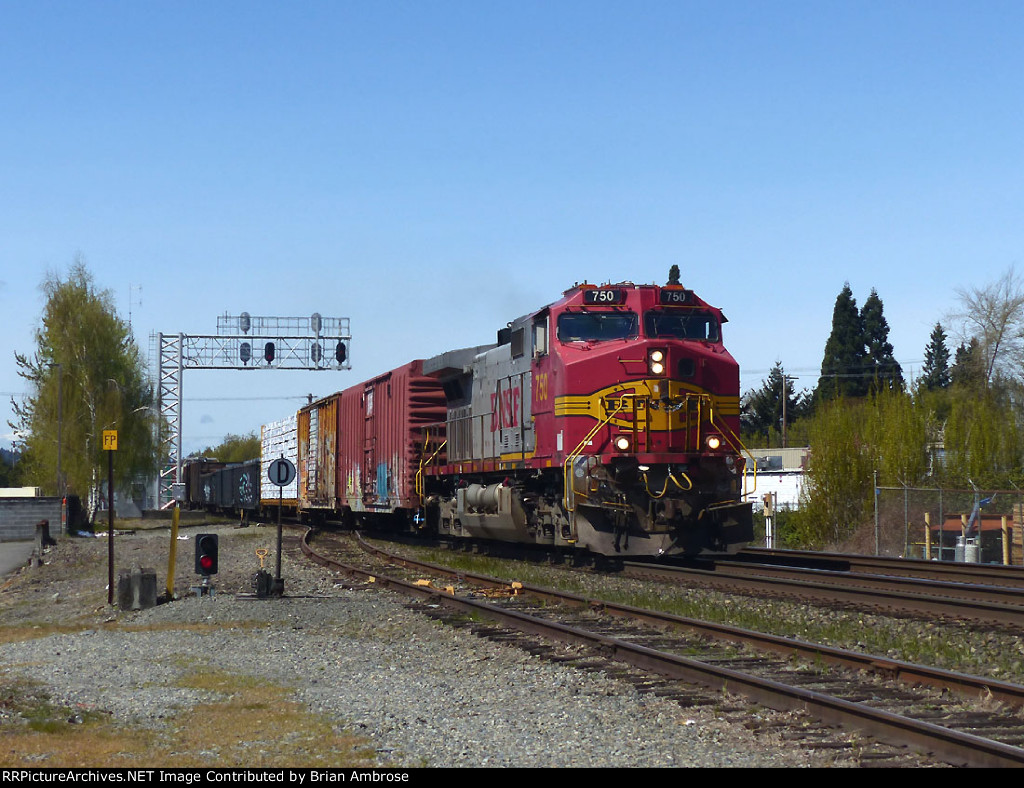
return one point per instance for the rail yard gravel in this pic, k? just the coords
(420, 693)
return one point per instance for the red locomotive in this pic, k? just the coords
(606, 421)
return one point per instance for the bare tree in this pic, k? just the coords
(994, 316)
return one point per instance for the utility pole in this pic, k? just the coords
(60, 427)
(876, 491)
(785, 400)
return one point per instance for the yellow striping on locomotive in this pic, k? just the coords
(662, 404)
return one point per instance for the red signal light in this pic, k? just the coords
(206, 554)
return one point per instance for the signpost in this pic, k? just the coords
(110, 446)
(281, 472)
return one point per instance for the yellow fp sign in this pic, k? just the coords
(110, 440)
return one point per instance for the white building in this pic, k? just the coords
(779, 472)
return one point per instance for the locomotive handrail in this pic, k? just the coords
(732, 439)
(429, 461)
(567, 475)
(737, 444)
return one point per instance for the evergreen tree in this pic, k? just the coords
(936, 361)
(969, 366)
(673, 275)
(886, 373)
(761, 410)
(87, 375)
(8, 469)
(843, 367)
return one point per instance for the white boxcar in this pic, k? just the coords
(279, 439)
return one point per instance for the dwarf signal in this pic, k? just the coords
(206, 554)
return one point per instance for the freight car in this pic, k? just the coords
(606, 421)
(223, 488)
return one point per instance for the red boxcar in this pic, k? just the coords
(360, 449)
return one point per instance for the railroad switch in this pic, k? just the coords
(264, 585)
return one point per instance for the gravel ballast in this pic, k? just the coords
(422, 693)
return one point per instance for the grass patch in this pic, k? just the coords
(17, 634)
(248, 723)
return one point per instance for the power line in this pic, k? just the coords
(195, 399)
(244, 399)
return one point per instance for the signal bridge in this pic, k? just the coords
(242, 342)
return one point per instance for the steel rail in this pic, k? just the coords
(973, 687)
(877, 582)
(933, 598)
(953, 746)
(953, 572)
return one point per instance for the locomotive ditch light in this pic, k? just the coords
(622, 443)
(713, 442)
(656, 361)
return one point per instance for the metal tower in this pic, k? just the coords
(241, 342)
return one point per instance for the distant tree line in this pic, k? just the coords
(958, 423)
(234, 448)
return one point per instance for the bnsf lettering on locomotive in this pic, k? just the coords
(505, 412)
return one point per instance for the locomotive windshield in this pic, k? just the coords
(597, 326)
(680, 325)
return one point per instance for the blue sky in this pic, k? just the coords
(432, 170)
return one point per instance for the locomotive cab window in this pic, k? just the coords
(701, 326)
(596, 326)
(540, 336)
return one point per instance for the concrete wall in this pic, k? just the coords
(18, 517)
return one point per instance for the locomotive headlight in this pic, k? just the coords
(713, 442)
(622, 443)
(656, 362)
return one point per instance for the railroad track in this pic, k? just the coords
(900, 705)
(949, 571)
(997, 604)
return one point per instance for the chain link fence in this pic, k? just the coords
(981, 526)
